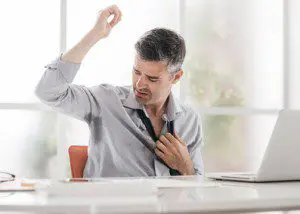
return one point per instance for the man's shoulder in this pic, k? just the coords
(190, 112)
(120, 91)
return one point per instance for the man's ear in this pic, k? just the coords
(177, 76)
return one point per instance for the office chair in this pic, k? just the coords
(78, 156)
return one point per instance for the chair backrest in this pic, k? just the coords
(78, 156)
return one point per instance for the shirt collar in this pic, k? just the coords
(131, 102)
(174, 108)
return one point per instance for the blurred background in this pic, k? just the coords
(241, 68)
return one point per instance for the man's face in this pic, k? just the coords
(151, 81)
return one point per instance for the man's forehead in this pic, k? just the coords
(150, 66)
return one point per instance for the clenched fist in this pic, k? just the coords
(102, 27)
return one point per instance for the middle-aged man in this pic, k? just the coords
(141, 130)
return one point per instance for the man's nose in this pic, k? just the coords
(140, 84)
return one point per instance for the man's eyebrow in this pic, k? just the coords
(152, 77)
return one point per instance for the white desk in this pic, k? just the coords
(220, 197)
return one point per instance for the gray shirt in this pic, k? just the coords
(119, 143)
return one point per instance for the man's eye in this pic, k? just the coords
(153, 80)
(137, 72)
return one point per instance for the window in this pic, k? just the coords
(235, 53)
(28, 142)
(29, 39)
(28, 28)
(235, 63)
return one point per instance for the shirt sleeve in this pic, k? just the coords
(196, 149)
(55, 89)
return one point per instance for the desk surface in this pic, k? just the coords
(200, 196)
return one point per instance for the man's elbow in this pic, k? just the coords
(39, 93)
(48, 97)
(42, 94)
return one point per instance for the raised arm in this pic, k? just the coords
(55, 87)
(101, 30)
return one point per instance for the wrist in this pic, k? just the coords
(93, 36)
(187, 168)
(98, 33)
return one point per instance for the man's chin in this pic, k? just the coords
(141, 100)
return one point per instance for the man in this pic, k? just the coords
(135, 131)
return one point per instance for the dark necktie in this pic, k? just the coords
(150, 129)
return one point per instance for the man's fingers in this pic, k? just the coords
(159, 154)
(171, 138)
(161, 147)
(171, 148)
(120, 15)
(114, 10)
(165, 141)
(105, 13)
(178, 138)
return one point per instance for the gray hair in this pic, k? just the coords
(161, 44)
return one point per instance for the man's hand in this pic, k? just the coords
(173, 151)
(100, 30)
(102, 27)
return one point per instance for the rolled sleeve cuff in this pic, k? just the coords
(67, 69)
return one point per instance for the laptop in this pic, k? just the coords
(281, 160)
